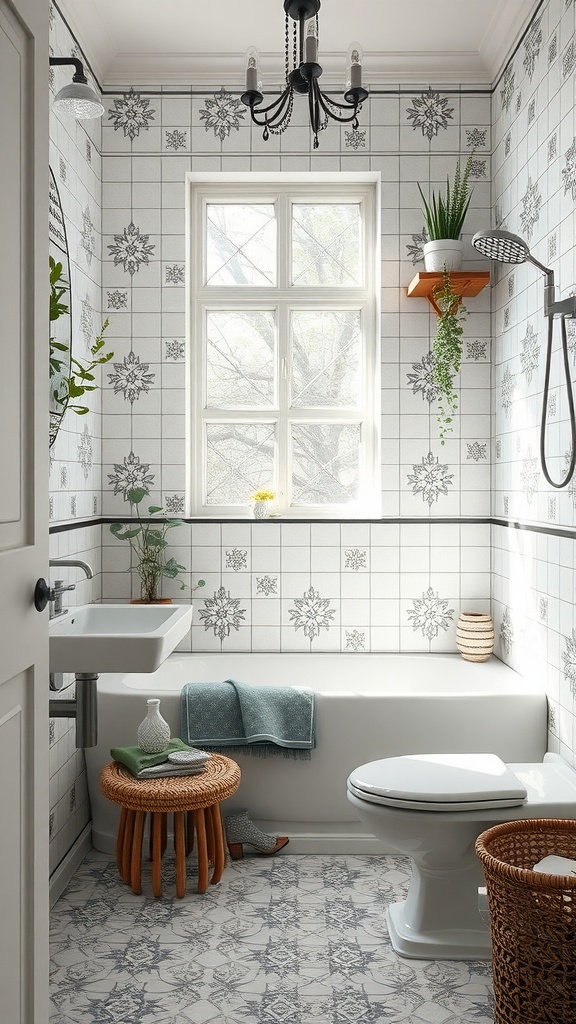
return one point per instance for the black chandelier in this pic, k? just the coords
(302, 76)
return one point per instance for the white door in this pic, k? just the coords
(23, 511)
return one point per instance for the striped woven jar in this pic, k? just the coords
(475, 636)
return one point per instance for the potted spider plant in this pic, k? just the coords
(444, 216)
(447, 352)
(148, 544)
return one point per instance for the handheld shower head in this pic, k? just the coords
(502, 246)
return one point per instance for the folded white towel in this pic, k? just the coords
(556, 866)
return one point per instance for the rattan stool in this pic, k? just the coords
(196, 796)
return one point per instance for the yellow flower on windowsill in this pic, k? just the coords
(263, 496)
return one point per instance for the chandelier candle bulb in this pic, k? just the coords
(251, 70)
(311, 49)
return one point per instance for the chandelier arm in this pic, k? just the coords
(341, 106)
(277, 107)
(313, 96)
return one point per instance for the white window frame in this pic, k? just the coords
(218, 187)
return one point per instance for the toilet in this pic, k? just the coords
(431, 808)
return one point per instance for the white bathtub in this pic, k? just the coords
(367, 706)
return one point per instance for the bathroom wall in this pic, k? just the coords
(397, 584)
(75, 458)
(534, 191)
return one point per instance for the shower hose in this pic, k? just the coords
(570, 470)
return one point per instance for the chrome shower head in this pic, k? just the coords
(502, 246)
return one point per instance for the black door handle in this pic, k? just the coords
(41, 594)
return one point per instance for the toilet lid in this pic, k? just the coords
(436, 782)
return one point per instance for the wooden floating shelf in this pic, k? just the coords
(464, 283)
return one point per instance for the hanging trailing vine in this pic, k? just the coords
(447, 352)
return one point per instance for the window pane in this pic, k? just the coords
(326, 244)
(240, 244)
(326, 358)
(240, 349)
(326, 461)
(240, 460)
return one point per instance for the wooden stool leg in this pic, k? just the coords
(209, 835)
(180, 848)
(136, 859)
(120, 840)
(164, 833)
(156, 837)
(202, 851)
(219, 851)
(189, 832)
(127, 846)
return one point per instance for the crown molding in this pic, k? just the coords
(503, 34)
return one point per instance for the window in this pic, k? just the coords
(284, 343)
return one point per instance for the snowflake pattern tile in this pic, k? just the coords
(531, 203)
(569, 171)
(430, 478)
(87, 240)
(543, 609)
(311, 613)
(131, 378)
(569, 659)
(88, 151)
(508, 387)
(518, 103)
(507, 632)
(476, 451)
(476, 138)
(478, 169)
(532, 110)
(421, 380)
(62, 168)
(222, 113)
(551, 509)
(84, 451)
(117, 299)
(498, 447)
(174, 504)
(430, 112)
(552, 49)
(552, 405)
(430, 614)
(73, 506)
(355, 640)
(236, 559)
(132, 114)
(355, 559)
(132, 473)
(507, 90)
(131, 249)
(222, 613)
(416, 249)
(266, 585)
(511, 286)
(529, 476)
(86, 321)
(175, 274)
(530, 354)
(355, 139)
(532, 44)
(477, 350)
(569, 59)
(174, 349)
(175, 138)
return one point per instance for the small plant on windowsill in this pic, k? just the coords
(148, 545)
(262, 502)
(447, 352)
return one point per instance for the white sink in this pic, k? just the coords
(116, 637)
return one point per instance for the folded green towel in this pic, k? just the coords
(135, 759)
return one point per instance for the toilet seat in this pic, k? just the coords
(438, 782)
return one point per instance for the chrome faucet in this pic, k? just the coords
(60, 587)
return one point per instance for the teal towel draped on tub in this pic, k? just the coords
(251, 719)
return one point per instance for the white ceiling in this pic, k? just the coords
(191, 42)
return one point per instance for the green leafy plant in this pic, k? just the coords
(444, 215)
(447, 352)
(148, 544)
(70, 378)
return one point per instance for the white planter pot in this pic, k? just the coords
(444, 253)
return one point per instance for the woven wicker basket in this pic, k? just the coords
(532, 921)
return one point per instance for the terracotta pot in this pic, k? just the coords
(475, 636)
(442, 254)
(159, 600)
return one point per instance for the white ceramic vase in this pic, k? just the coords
(442, 254)
(154, 732)
(475, 636)
(261, 509)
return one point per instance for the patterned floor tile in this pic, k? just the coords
(293, 940)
